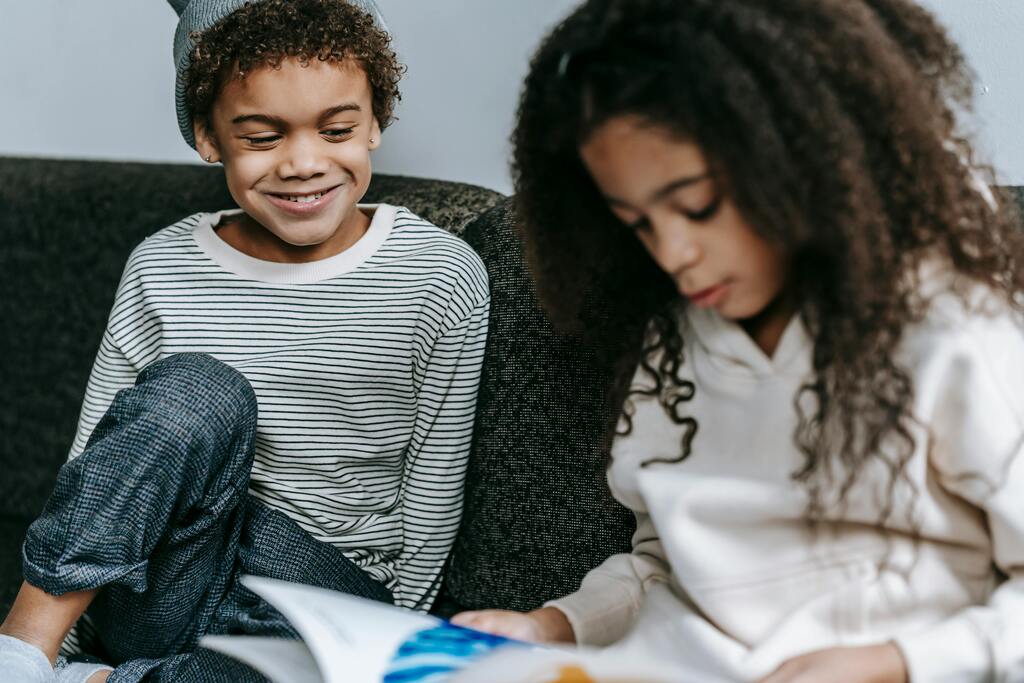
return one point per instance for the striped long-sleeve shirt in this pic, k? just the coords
(365, 366)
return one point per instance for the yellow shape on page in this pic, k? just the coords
(572, 673)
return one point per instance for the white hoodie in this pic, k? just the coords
(726, 580)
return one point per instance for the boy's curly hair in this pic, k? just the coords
(832, 125)
(266, 33)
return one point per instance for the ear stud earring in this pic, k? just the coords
(208, 157)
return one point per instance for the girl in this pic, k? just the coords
(769, 207)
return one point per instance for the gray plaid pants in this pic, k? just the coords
(156, 512)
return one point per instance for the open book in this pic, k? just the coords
(346, 639)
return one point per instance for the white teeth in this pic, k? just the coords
(303, 199)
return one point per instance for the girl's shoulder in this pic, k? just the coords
(970, 335)
(966, 360)
(960, 308)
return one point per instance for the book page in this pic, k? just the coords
(568, 665)
(353, 640)
(279, 659)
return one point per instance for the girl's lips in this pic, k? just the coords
(302, 208)
(706, 298)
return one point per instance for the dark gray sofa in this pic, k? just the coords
(537, 515)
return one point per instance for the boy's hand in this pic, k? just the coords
(544, 625)
(871, 664)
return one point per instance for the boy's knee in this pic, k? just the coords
(181, 406)
(201, 386)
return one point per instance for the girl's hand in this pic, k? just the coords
(871, 664)
(544, 625)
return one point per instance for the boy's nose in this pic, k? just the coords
(302, 159)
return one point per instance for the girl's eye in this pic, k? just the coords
(262, 141)
(628, 219)
(705, 214)
(337, 133)
(639, 225)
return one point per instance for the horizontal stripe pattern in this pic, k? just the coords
(366, 382)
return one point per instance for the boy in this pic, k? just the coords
(356, 333)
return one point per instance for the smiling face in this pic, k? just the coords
(662, 188)
(295, 142)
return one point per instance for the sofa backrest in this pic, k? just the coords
(68, 227)
(538, 512)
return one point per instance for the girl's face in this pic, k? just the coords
(660, 187)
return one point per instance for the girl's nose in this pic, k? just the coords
(675, 248)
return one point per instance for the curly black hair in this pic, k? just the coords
(833, 125)
(266, 33)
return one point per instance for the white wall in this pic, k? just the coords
(466, 61)
(990, 33)
(94, 80)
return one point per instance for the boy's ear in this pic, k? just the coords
(206, 143)
(375, 134)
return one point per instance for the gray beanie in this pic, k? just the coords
(196, 16)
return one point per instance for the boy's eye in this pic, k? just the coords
(337, 133)
(261, 140)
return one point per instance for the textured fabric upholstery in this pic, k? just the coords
(12, 533)
(538, 512)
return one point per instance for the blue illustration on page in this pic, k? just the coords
(433, 654)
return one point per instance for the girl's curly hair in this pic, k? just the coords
(834, 126)
(266, 33)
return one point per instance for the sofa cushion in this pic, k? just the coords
(538, 513)
(12, 534)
